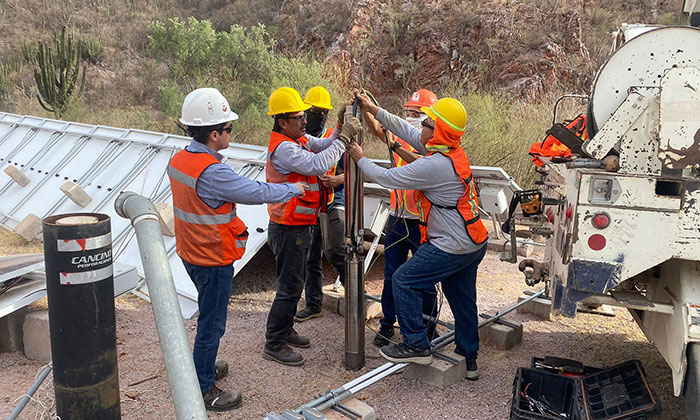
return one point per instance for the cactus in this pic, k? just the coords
(57, 74)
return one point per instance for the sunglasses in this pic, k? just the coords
(228, 129)
(413, 114)
(298, 117)
(425, 124)
(318, 110)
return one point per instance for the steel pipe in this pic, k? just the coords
(28, 396)
(175, 346)
(332, 398)
(354, 272)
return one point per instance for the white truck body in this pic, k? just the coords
(648, 256)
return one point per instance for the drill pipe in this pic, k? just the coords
(354, 274)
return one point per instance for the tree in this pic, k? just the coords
(57, 73)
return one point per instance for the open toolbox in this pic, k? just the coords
(582, 392)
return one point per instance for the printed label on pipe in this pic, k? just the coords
(85, 277)
(86, 244)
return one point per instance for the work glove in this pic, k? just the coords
(350, 129)
(341, 116)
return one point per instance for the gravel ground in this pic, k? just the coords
(266, 386)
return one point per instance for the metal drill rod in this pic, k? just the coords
(332, 398)
(354, 272)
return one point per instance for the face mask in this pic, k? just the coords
(315, 123)
(415, 122)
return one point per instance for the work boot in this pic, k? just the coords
(220, 370)
(217, 400)
(472, 370)
(401, 353)
(296, 340)
(306, 314)
(384, 336)
(286, 356)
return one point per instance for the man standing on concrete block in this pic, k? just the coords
(328, 235)
(294, 157)
(452, 234)
(209, 235)
(402, 230)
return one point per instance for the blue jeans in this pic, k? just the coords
(396, 247)
(214, 290)
(457, 274)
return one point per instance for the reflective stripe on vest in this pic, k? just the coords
(205, 236)
(403, 199)
(201, 219)
(467, 206)
(298, 210)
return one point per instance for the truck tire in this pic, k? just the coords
(692, 383)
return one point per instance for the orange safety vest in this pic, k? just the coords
(299, 210)
(401, 199)
(446, 140)
(553, 147)
(330, 191)
(205, 236)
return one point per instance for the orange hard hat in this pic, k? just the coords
(421, 98)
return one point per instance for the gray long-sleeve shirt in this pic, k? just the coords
(219, 184)
(402, 129)
(289, 157)
(437, 179)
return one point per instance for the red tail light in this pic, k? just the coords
(601, 220)
(597, 242)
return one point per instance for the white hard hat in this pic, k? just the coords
(206, 106)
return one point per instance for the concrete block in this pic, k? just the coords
(11, 331)
(331, 299)
(29, 228)
(541, 308)
(37, 343)
(499, 245)
(503, 337)
(365, 411)
(166, 219)
(17, 176)
(373, 309)
(439, 373)
(76, 193)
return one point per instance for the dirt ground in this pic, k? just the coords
(266, 386)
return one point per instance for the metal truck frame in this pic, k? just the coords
(629, 235)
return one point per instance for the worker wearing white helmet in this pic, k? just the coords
(209, 235)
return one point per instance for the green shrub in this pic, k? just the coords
(171, 98)
(91, 49)
(241, 63)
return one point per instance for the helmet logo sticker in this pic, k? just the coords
(210, 108)
(415, 96)
(224, 108)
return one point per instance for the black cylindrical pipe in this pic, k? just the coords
(80, 291)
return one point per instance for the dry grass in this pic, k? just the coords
(13, 244)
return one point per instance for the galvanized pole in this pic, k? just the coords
(80, 291)
(179, 366)
(354, 261)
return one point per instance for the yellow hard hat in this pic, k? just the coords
(451, 111)
(319, 97)
(285, 100)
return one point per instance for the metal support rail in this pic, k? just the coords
(28, 396)
(182, 378)
(334, 397)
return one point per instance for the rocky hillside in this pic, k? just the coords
(525, 48)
